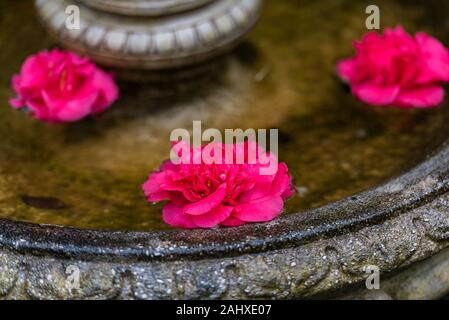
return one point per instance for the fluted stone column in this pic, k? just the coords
(151, 34)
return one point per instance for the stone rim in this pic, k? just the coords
(420, 186)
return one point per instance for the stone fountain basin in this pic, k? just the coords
(392, 215)
(326, 249)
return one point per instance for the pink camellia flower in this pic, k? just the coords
(207, 195)
(397, 69)
(60, 86)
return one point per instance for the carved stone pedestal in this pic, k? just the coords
(151, 34)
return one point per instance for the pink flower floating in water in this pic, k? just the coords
(60, 86)
(207, 195)
(397, 69)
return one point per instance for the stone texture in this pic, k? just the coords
(304, 271)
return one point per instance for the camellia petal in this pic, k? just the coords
(214, 217)
(232, 222)
(345, 69)
(206, 195)
(397, 69)
(78, 108)
(376, 95)
(174, 216)
(261, 210)
(60, 86)
(436, 57)
(421, 97)
(208, 203)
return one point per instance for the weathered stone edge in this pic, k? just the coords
(300, 272)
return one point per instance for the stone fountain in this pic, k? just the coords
(398, 222)
(151, 34)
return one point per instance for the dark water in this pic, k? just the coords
(89, 174)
